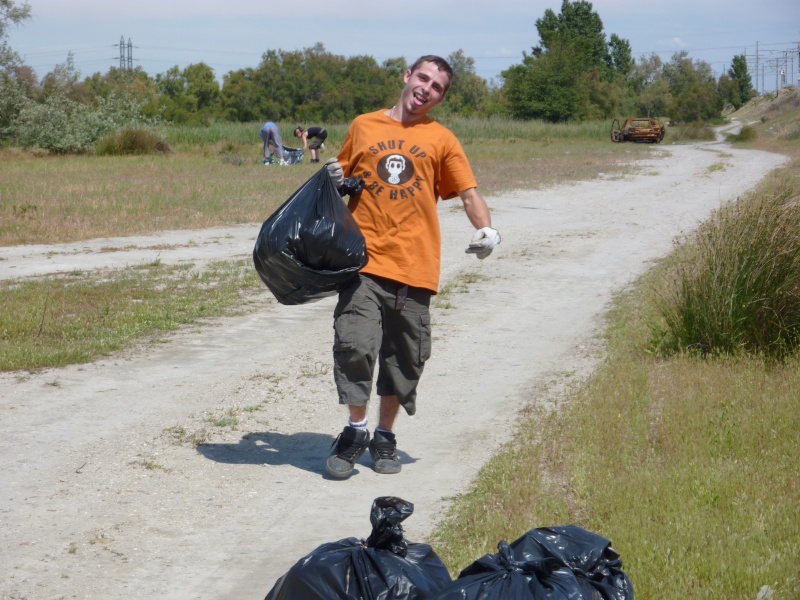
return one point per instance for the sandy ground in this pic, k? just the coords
(105, 496)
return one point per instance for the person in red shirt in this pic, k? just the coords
(407, 161)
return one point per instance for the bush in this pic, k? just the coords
(746, 134)
(691, 132)
(734, 287)
(132, 141)
(62, 125)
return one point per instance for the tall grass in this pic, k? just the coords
(690, 132)
(471, 131)
(688, 466)
(130, 140)
(733, 286)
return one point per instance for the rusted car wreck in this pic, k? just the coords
(639, 129)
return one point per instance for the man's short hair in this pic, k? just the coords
(439, 62)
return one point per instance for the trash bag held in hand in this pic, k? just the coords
(384, 567)
(311, 246)
(548, 563)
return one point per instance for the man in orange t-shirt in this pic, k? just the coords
(407, 162)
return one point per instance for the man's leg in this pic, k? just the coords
(383, 445)
(278, 143)
(357, 328)
(405, 348)
(389, 408)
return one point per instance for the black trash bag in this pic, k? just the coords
(548, 563)
(293, 156)
(311, 246)
(384, 567)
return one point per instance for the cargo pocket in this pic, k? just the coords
(424, 337)
(344, 332)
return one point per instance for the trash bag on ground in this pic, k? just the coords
(293, 156)
(548, 563)
(385, 566)
(311, 246)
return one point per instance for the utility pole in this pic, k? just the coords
(130, 55)
(121, 53)
(762, 86)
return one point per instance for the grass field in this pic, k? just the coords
(215, 177)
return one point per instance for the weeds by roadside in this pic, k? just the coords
(733, 285)
(77, 317)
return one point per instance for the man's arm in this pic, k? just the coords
(476, 208)
(485, 238)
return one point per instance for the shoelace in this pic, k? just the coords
(349, 452)
(385, 450)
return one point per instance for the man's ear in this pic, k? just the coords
(407, 76)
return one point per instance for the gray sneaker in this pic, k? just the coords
(347, 448)
(383, 450)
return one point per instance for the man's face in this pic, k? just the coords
(424, 89)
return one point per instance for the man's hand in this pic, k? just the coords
(335, 171)
(483, 242)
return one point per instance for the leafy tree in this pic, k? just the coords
(467, 91)
(62, 124)
(693, 89)
(578, 25)
(13, 90)
(574, 73)
(395, 67)
(649, 87)
(239, 97)
(620, 56)
(11, 13)
(728, 92)
(202, 85)
(741, 77)
(62, 81)
(189, 96)
(549, 86)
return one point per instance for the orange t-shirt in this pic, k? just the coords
(406, 168)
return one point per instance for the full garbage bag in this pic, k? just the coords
(385, 566)
(311, 245)
(293, 156)
(547, 563)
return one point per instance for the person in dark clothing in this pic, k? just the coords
(313, 139)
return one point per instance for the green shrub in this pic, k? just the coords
(686, 132)
(132, 141)
(63, 126)
(734, 285)
(746, 134)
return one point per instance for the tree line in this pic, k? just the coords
(575, 72)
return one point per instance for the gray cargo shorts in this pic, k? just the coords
(380, 321)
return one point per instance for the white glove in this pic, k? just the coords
(483, 242)
(335, 171)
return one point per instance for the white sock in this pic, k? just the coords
(362, 425)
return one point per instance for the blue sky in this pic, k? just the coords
(233, 34)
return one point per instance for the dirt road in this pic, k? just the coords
(105, 495)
